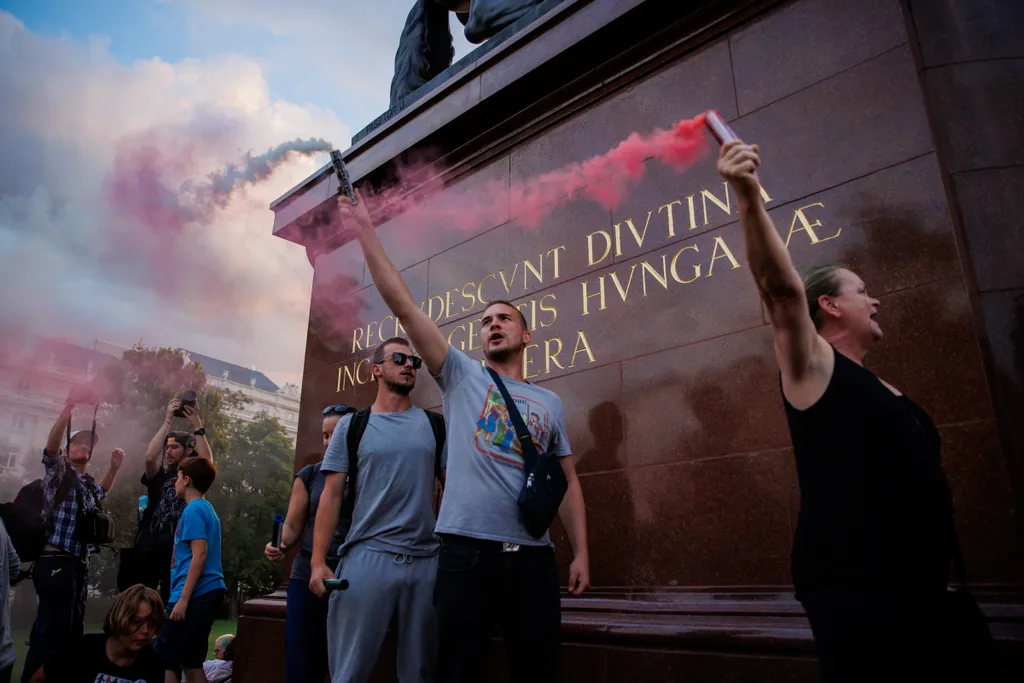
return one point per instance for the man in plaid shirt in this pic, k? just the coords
(61, 573)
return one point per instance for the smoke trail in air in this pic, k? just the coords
(605, 179)
(257, 168)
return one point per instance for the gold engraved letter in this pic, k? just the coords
(357, 334)
(632, 228)
(693, 214)
(696, 268)
(600, 282)
(549, 309)
(471, 296)
(726, 254)
(528, 268)
(582, 346)
(661, 277)
(671, 218)
(590, 247)
(479, 296)
(527, 360)
(705, 195)
(554, 256)
(462, 344)
(360, 365)
(764, 195)
(549, 357)
(508, 283)
(339, 381)
(440, 308)
(615, 280)
(807, 226)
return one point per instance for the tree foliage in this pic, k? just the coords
(253, 459)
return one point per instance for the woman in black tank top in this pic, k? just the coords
(875, 534)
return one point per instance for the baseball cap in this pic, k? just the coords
(186, 440)
(95, 437)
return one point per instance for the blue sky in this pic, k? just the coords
(312, 51)
(184, 88)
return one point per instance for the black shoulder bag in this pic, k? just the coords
(545, 484)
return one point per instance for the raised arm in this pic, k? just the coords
(327, 514)
(202, 443)
(57, 431)
(156, 444)
(426, 337)
(804, 357)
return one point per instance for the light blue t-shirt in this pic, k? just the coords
(197, 521)
(485, 460)
(394, 482)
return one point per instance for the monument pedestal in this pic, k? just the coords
(889, 133)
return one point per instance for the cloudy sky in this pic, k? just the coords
(112, 106)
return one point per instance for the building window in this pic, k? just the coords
(19, 423)
(23, 384)
(8, 461)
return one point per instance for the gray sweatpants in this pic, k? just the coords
(383, 584)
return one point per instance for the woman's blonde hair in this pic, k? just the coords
(120, 620)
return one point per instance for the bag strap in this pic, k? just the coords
(356, 427)
(438, 428)
(530, 455)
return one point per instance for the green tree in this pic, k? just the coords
(253, 484)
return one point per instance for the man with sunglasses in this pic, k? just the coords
(389, 557)
(491, 569)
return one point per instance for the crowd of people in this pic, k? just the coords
(379, 549)
(170, 582)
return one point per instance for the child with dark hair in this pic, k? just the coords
(197, 581)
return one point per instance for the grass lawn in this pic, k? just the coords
(20, 637)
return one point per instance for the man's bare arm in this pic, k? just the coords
(58, 430)
(426, 337)
(156, 444)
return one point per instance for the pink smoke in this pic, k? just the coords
(605, 179)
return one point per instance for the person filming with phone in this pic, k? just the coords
(71, 504)
(149, 561)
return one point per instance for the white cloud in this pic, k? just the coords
(77, 266)
(341, 51)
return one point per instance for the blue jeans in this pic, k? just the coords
(306, 637)
(60, 583)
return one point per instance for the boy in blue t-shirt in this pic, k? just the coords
(197, 581)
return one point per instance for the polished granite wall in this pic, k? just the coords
(890, 136)
(673, 403)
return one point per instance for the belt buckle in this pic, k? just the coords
(509, 547)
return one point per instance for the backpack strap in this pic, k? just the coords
(356, 427)
(437, 427)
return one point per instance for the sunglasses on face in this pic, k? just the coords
(340, 409)
(399, 358)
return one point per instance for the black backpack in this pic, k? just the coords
(356, 427)
(27, 518)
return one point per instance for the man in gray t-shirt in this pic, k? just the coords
(490, 569)
(389, 557)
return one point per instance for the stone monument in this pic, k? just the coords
(890, 132)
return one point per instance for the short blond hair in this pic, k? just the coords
(126, 605)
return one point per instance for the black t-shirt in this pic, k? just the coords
(156, 529)
(85, 661)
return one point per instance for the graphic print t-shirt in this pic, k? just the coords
(197, 521)
(85, 661)
(156, 529)
(485, 460)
